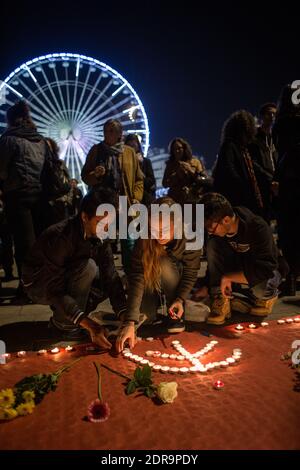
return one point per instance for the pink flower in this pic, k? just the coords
(98, 411)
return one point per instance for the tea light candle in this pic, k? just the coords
(151, 364)
(230, 361)
(165, 356)
(180, 358)
(195, 362)
(55, 350)
(41, 352)
(194, 369)
(252, 326)
(165, 369)
(139, 360)
(289, 320)
(216, 365)
(156, 354)
(264, 323)
(280, 322)
(297, 320)
(144, 362)
(239, 327)
(237, 351)
(209, 366)
(214, 342)
(218, 385)
(149, 353)
(183, 370)
(173, 356)
(127, 355)
(21, 353)
(149, 338)
(157, 368)
(174, 370)
(224, 364)
(175, 342)
(69, 348)
(133, 357)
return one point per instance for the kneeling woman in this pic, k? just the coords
(160, 266)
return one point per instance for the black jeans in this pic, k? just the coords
(170, 278)
(223, 259)
(24, 218)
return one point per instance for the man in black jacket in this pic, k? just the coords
(240, 251)
(63, 265)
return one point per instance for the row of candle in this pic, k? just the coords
(41, 352)
(197, 366)
(288, 320)
(252, 326)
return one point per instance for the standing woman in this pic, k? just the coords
(22, 155)
(161, 266)
(183, 173)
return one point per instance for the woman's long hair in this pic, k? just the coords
(152, 253)
(240, 128)
(187, 150)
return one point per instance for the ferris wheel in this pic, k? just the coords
(71, 96)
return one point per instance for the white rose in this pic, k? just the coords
(167, 391)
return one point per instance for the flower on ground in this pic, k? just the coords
(167, 391)
(25, 408)
(98, 411)
(8, 413)
(28, 396)
(7, 398)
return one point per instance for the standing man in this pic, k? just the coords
(111, 164)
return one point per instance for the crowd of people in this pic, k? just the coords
(251, 211)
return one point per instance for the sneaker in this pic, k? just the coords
(220, 310)
(68, 334)
(175, 326)
(262, 307)
(240, 305)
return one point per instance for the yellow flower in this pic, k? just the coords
(167, 391)
(7, 398)
(28, 396)
(8, 413)
(25, 408)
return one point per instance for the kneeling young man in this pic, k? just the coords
(66, 260)
(240, 251)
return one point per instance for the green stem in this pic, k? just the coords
(115, 372)
(67, 366)
(99, 381)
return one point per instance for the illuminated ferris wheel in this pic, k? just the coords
(71, 96)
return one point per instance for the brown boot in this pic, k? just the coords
(262, 307)
(240, 305)
(219, 310)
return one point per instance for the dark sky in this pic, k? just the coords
(191, 66)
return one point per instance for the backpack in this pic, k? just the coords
(55, 177)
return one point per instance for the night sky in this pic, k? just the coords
(191, 66)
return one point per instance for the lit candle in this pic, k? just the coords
(156, 354)
(194, 369)
(126, 350)
(127, 355)
(224, 364)
(165, 356)
(230, 361)
(237, 351)
(149, 338)
(69, 348)
(195, 362)
(214, 342)
(183, 370)
(289, 320)
(209, 366)
(174, 370)
(280, 322)
(173, 356)
(21, 354)
(239, 327)
(41, 352)
(149, 353)
(139, 360)
(151, 364)
(264, 323)
(218, 385)
(175, 342)
(165, 369)
(157, 368)
(180, 358)
(216, 365)
(252, 326)
(297, 320)
(144, 362)
(55, 350)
